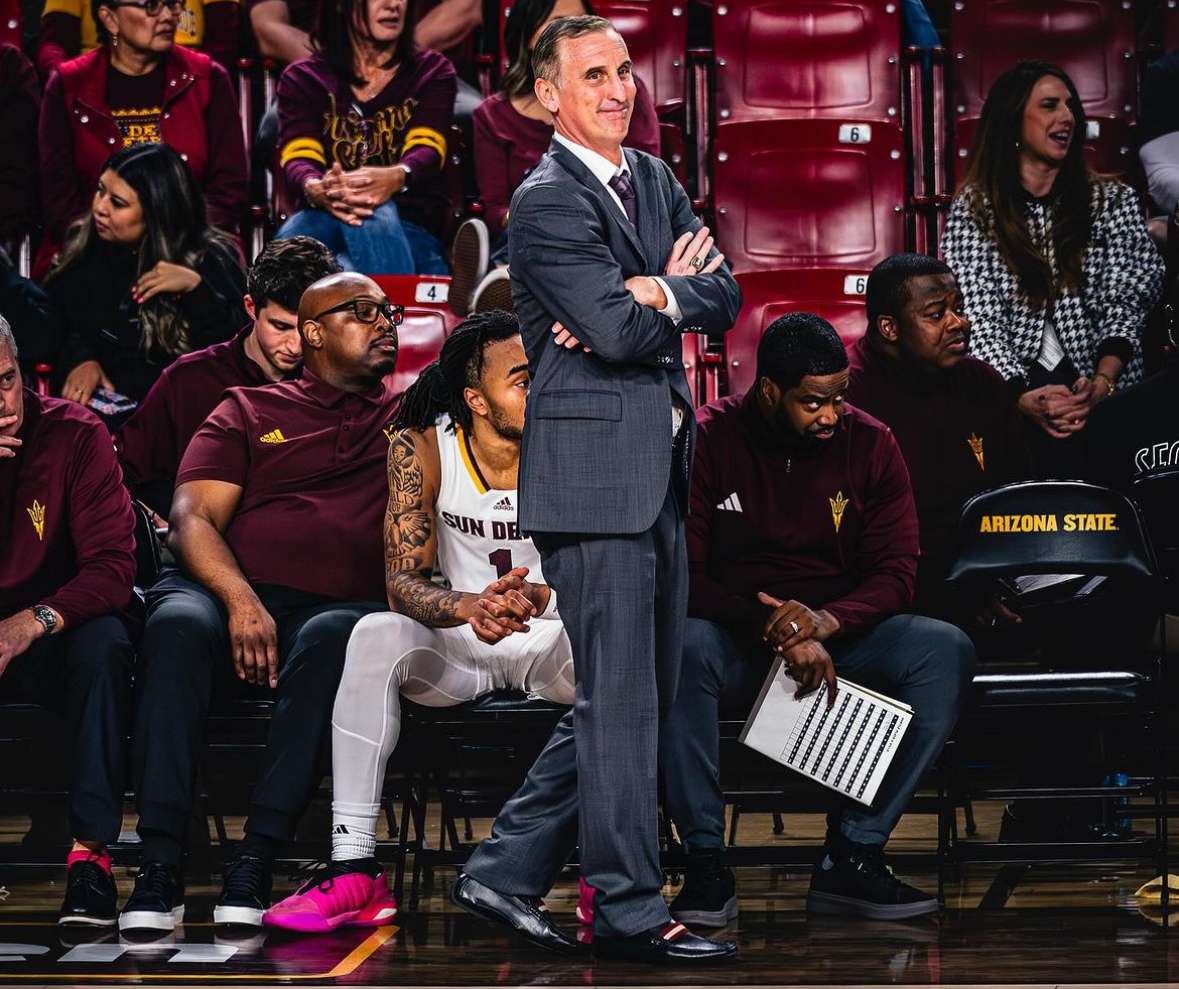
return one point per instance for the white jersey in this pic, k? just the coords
(478, 540)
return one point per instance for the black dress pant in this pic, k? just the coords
(185, 662)
(84, 674)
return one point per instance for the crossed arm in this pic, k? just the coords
(411, 545)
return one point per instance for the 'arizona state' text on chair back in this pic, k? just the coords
(1065, 527)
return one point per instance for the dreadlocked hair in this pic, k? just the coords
(439, 388)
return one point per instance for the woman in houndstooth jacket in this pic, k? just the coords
(1055, 262)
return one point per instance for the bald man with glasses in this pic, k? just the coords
(276, 525)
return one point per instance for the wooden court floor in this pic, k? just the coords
(1052, 925)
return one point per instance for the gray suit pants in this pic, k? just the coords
(623, 602)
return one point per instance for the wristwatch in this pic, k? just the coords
(46, 616)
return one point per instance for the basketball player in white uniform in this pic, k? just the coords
(453, 460)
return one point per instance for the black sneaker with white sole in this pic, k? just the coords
(245, 896)
(157, 901)
(859, 883)
(91, 898)
(708, 897)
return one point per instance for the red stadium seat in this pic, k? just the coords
(428, 321)
(808, 193)
(829, 59)
(656, 33)
(837, 296)
(1092, 40)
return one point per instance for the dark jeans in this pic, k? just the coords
(84, 673)
(923, 662)
(185, 658)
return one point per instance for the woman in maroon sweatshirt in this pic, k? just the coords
(362, 131)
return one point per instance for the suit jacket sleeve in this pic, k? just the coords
(709, 303)
(559, 253)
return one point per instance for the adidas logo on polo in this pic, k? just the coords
(731, 504)
(503, 505)
(274, 436)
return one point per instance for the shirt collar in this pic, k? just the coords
(603, 169)
(329, 395)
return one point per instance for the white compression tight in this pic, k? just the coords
(391, 656)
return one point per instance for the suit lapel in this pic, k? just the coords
(574, 167)
(645, 196)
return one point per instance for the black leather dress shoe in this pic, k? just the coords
(516, 913)
(671, 944)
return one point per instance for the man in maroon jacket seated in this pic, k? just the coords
(67, 565)
(953, 415)
(152, 442)
(802, 542)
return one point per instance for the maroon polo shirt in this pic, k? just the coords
(67, 531)
(310, 460)
(959, 430)
(153, 440)
(834, 528)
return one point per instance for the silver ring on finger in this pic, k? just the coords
(794, 627)
(697, 263)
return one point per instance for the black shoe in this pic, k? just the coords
(469, 264)
(157, 901)
(245, 896)
(708, 897)
(91, 898)
(524, 916)
(669, 944)
(858, 883)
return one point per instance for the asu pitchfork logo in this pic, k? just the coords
(838, 504)
(976, 447)
(37, 514)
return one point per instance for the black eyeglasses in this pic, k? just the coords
(366, 310)
(150, 7)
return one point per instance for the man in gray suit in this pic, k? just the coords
(609, 267)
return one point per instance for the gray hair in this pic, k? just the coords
(7, 340)
(546, 54)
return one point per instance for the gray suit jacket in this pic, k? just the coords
(597, 451)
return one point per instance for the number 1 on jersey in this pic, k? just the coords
(501, 559)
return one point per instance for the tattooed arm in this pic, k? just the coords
(411, 546)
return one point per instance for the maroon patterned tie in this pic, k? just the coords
(626, 192)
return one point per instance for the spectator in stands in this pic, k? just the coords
(268, 348)
(276, 525)
(142, 279)
(138, 88)
(363, 126)
(1158, 128)
(1057, 267)
(34, 319)
(512, 132)
(454, 455)
(284, 28)
(65, 620)
(802, 543)
(20, 103)
(952, 415)
(70, 28)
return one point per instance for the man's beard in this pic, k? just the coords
(503, 426)
(804, 442)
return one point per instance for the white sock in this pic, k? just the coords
(354, 830)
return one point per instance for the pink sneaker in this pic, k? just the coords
(350, 899)
(585, 903)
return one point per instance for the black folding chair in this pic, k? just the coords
(1065, 527)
